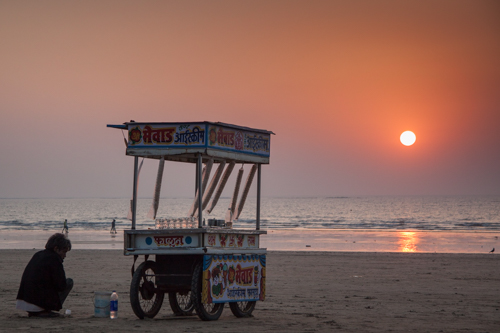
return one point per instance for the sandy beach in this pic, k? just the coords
(306, 292)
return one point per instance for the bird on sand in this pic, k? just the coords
(492, 250)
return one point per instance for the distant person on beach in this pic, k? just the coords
(65, 226)
(113, 227)
(44, 285)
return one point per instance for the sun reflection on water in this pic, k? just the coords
(408, 241)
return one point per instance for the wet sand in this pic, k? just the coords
(306, 292)
(294, 240)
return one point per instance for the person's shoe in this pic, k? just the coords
(44, 314)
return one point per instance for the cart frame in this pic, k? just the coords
(183, 256)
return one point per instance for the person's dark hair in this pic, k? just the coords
(58, 240)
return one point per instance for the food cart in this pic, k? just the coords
(201, 264)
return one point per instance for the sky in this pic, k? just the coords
(336, 81)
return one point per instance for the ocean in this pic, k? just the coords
(407, 213)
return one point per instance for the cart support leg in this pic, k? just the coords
(257, 222)
(133, 264)
(134, 195)
(200, 187)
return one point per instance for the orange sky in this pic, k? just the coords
(337, 81)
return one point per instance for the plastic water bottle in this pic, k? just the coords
(113, 305)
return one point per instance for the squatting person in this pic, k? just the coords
(44, 285)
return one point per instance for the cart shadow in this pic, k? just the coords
(174, 318)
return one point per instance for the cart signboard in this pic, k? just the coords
(181, 138)
(238, 140)
(233, 278)
(165, 134)
(164, 241)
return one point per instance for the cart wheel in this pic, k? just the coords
(181, 303)
(145, 298)
(242, 309)
(206, 312)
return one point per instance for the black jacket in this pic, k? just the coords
(42, 279)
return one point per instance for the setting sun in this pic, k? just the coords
(407, 138)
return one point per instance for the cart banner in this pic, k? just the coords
(239, 140)
(191, 134)
(232, 240)
(233, 278)
(162, 241)
(182, 135)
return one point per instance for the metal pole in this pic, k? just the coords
(200, 195)
(196, 178)
(134, 194)
(257, 222)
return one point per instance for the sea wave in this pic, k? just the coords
(469, 213)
